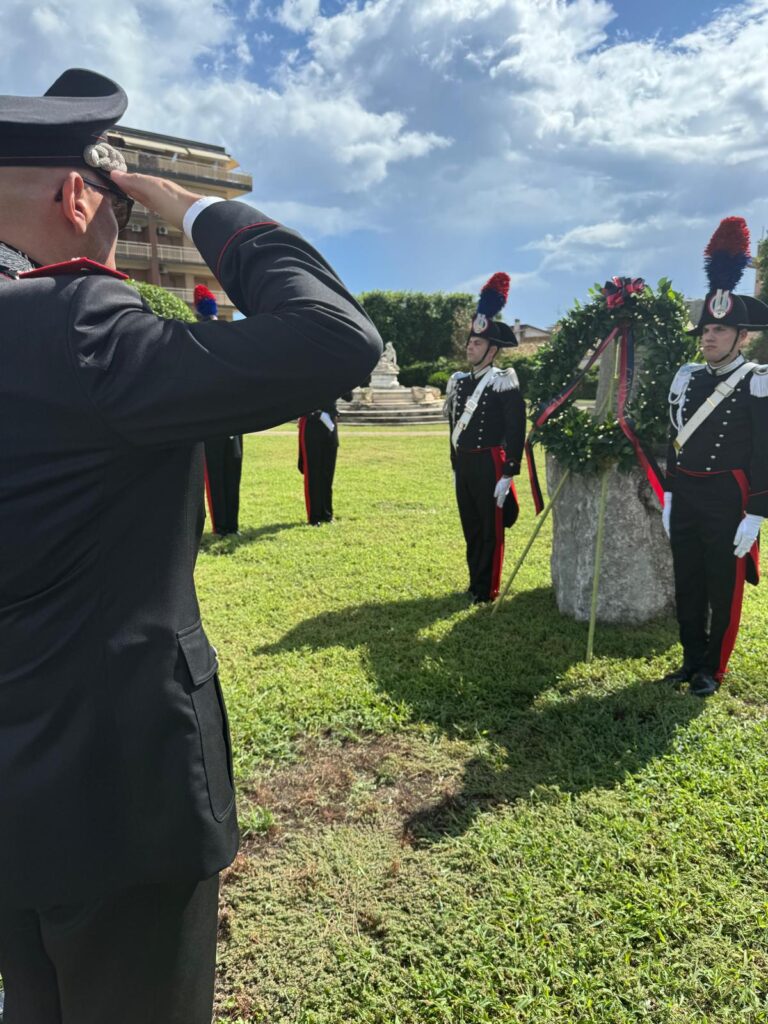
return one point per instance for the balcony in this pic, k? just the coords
(151, 163)
(134, 250)
(177, 254)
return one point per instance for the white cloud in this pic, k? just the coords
(316, 221)
(298, 15)
(520, 126)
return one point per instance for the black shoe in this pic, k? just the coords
(703, 685)
(681, 675)
(476, 599)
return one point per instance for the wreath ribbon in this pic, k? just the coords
(626, 342)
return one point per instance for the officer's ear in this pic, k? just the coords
(75, 208)
(742, 336)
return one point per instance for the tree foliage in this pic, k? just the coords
(162, 302)
(423, 327)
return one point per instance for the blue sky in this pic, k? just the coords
(425, 144)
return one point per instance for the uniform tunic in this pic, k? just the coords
(491, 446)
(720, 473)
(114, 749)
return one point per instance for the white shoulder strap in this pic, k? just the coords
(469, 409)
(723, 390)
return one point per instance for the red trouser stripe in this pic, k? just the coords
(208, 496)
(305, 463)
(729, 640)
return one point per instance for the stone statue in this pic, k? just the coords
(389, 356)
(385, 372)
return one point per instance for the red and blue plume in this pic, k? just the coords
(727, 254)
(205, 301)
(493, 295)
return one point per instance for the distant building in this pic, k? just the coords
(149, 249)
(530, 338)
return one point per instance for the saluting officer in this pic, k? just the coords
(717, 467)
(116, 792)
(486, 413)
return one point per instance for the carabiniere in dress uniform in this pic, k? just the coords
(717, 468)
(487, 417)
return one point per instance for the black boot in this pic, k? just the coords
(681, 675)
(703, 685)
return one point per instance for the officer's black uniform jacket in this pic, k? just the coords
(733, 437)
(499, 419)
(114, 760)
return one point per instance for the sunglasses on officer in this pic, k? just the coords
(122, 205)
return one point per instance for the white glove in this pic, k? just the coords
(666, 512)
(327, 421)
(501, 490)
(746, 534)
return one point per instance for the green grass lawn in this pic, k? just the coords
(450, 817)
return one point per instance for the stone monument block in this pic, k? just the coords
(636, 581)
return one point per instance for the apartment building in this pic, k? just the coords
(149, 249)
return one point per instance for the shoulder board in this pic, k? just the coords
(758, 382)
(681, 379)
(453, 381)
(81, 265)
(505, 380)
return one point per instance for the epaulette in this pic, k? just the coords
(681, 379)
(505, 380)
(758, 382)
(453, 380)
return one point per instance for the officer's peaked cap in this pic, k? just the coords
(55, 129)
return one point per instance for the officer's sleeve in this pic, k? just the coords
(303, 340)
(514, 430)
(757, 502)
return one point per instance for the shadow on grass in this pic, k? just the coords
(500, 679)
(230, 542)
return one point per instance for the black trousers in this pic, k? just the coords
(318, 448)
(146, 955)
(709, 579)
(481, 520)
(223, 468)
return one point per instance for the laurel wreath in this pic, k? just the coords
(573, 435)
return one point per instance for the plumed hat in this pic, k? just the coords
(205, 302)
(63, 128)
(493, 298)
(725, 259)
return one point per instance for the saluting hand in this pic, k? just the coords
(165, 198)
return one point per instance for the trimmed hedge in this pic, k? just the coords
(439, 379)
(162, 302)
(422, 327)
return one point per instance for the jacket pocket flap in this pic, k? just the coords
(199, 655)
